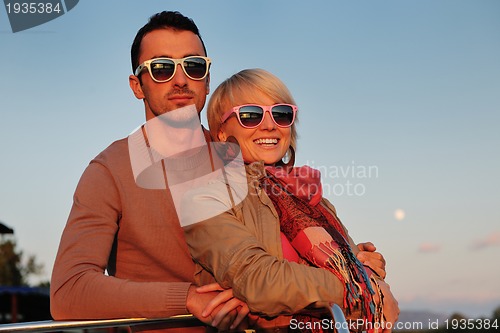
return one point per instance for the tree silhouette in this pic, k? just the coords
(14, 271)
(496, 313)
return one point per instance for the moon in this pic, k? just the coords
(399, 214)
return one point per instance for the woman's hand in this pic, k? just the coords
(222, 306)
(372, 259)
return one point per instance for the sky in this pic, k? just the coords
(399, 107)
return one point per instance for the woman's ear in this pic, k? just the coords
(135, 85)
(221, 136)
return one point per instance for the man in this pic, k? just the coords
(129, 232)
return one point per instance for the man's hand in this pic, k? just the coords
(216, 307)
(391, 307)
(372, 259)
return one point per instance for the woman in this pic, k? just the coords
(284, 216)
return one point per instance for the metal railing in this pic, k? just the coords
(56, 325)
(171, 322)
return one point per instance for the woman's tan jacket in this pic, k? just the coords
(242, 249)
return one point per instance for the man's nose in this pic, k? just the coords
(180, 78)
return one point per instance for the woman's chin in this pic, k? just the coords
(268, 158)
(270, 161)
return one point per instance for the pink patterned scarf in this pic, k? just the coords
(318, 236)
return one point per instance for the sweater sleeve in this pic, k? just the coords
(226, 247)
(80, 285)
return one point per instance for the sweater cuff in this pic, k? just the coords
(176, 296)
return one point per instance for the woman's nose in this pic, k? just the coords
(268, 122)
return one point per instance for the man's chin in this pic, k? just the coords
(181, 117)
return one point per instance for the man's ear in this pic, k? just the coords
(135, 85)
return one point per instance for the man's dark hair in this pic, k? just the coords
(165, 19)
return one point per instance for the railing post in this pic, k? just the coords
(13, 307)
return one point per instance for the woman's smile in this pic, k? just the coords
(266, 142)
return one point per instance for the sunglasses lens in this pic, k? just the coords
(283, 115)
(162, 69)
(195, 67)
(250, 115)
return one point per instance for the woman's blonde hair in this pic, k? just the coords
(239, 89)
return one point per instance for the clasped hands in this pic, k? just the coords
(218, 307)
